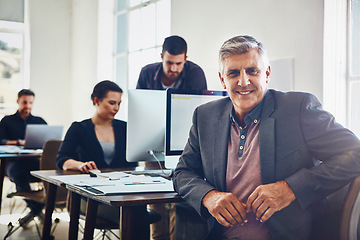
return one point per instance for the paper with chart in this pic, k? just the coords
(117, 183)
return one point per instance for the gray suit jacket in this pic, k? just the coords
(294, 134)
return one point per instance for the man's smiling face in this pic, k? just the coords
(245, 77)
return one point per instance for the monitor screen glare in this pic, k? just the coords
(180, 108)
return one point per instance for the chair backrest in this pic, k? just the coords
(48, 157)
(341, 219)
(349, 224)
(48, 162)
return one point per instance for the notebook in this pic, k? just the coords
(37, 134)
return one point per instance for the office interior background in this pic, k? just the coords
(64, 47)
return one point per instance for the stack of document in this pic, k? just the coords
(117, 183)
(17, 149)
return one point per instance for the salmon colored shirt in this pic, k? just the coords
(243, 176)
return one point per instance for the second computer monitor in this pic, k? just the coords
(180, 106)
(159, 122)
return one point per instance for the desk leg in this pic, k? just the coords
(74, 216)
(133, 223)
(49, 208)
(90, 220)
(2, 175)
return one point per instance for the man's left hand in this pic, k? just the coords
(268, 199)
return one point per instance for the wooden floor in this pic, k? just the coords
(31, 232)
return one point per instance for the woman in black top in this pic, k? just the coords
(98, 142)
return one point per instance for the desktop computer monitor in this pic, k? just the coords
(159, 122)
(180, 106)
(146, 125)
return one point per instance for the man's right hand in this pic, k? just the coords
(225, 207)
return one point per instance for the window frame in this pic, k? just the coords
(125, 85)
(22, 29)
(129, 81)
(350, 78)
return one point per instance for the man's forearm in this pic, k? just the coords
(11, 142)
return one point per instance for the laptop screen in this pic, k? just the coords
(37, 134)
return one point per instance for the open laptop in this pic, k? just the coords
(37, 134)
(35, 137)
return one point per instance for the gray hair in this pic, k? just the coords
(240, 45)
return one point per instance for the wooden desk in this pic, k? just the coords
(11, 156)
(126, 202)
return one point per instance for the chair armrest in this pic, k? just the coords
(351, 212)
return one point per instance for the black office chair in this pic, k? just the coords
(104, 224)
(47, 162)
(36, 185)
(341, 221)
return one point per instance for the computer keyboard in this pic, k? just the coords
(166, 173)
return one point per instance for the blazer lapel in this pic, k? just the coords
(96, 149)
(221, 131)
(267, 140)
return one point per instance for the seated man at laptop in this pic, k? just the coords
(12, 132)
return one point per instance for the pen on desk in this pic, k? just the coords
(117, 178)
(140, 183)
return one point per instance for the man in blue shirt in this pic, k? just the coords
(12, 132)
(174, 71)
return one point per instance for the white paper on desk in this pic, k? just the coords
(83, 180)
(114, 175)
(117, 183)
(137, 184)
(17, 149)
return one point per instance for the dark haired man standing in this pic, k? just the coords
(174, 71)
(12, 132)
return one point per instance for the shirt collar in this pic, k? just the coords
(17, 114)
(253, 116)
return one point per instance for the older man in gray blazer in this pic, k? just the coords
(257, 164)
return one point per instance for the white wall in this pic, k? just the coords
(50, 55)
(288, 29)
(64, 45)
(83, 57)
(63, 61)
